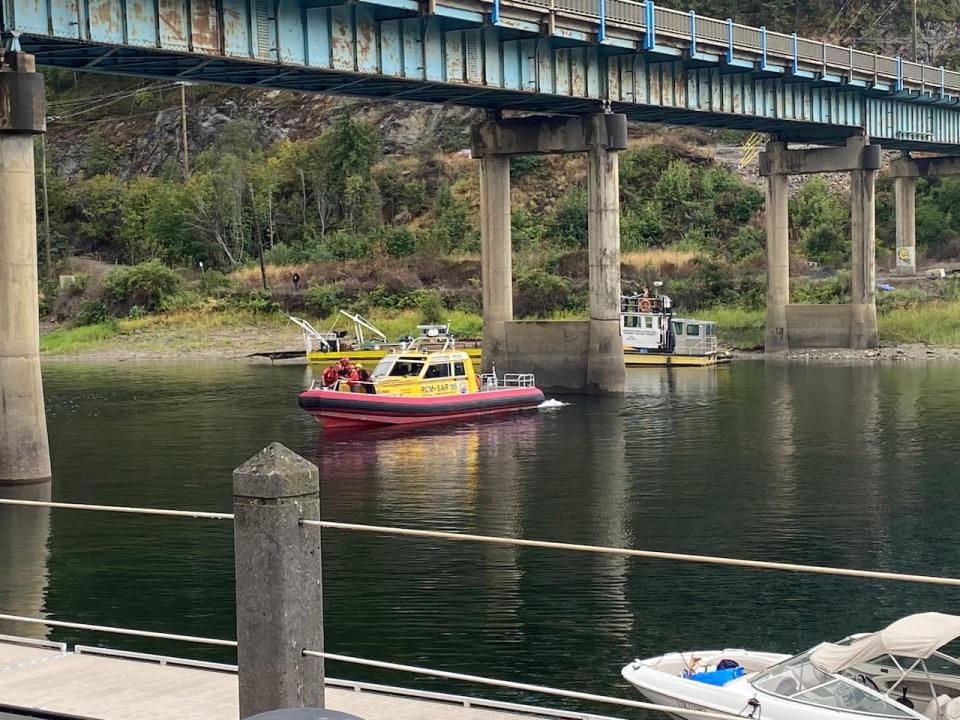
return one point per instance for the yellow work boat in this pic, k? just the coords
(652, 337)
(369, 345)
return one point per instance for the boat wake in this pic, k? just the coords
(551, 403)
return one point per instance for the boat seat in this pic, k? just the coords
(937, 708)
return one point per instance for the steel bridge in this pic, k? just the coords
(568, 57)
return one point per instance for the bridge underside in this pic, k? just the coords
(502, 58)
(661, 92)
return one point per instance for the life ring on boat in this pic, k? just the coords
(645, 305)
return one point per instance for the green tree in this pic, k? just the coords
(567, 225)
(99, 157)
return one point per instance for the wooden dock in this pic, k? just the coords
(82, 682)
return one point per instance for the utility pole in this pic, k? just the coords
(915, 30)
(46, 208)
(183, 130)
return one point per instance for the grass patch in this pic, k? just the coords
(736, 327)
(658, 257)
(936, 323)
(66, 341)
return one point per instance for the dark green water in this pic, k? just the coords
(848, 466)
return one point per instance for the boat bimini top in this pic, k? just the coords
(883, 673)
(915, 636)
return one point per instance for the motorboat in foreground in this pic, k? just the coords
(416, 385)
(898, 672)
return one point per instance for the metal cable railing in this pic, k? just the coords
(526, 687)
(478, 679)
(520, 542)
(111, 630)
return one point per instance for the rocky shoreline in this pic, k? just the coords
(886, 353)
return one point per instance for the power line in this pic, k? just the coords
(856, 17)
(837, 16)
(106, 96)
(108, 103)
(880, 17)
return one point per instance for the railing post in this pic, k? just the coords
(693, 33)
(279, 585)
(899, 85)
(650, 38)
(763, 47)
(796, 55)
(729, 41)
(495, 14)
(602, 8)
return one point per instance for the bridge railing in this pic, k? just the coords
(726, 35)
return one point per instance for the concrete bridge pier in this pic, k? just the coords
(905, 171)
(605, 368)
(24, 449)
(804, 326)
(496, 262)
(576, 356)
(905, 200)
(863, 266)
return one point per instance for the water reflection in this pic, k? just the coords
(849, 466)
(24, 532)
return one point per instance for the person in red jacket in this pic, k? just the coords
(354, 378)
(330, 376)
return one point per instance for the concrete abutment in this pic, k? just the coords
(24, 448)
(566, 357)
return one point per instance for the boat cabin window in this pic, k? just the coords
(459, 370)
(631, 321)
(693, 329)
(677, 328)
(407, 368)
(648, 322)
(438, 370)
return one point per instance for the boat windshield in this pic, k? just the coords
(383, 368)
(797, 679)
(407, 368)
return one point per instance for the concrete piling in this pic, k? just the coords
(278, 579)
(605, 368)
(778, 258)
(863, 319)
(905, 198)
(24, 448)
(496, 259)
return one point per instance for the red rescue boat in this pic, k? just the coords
(415, 386)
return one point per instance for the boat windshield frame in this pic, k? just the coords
(787, 670)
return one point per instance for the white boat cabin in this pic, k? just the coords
(647, 325)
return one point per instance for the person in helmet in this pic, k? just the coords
(366, 383)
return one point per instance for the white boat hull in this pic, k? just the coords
(659, 679)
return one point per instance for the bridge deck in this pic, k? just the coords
(566, 57)
(122, 688)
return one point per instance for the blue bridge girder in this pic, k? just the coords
(547, 56)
